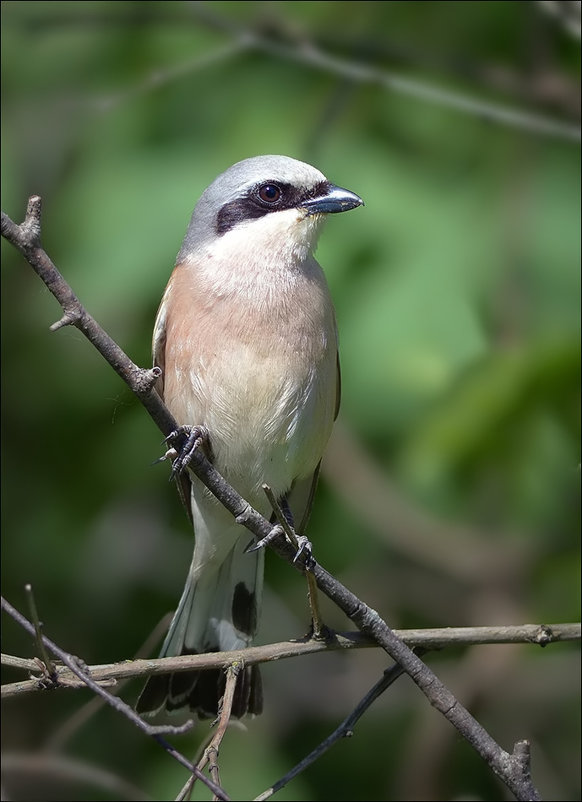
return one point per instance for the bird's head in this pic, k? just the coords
(271, 204)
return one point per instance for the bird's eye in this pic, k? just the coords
(270, 193)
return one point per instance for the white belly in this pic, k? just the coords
(269, 416)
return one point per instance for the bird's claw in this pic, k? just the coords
(303, 545)
(171, 453)
(264, 541)
(194, 437)
(304, 548)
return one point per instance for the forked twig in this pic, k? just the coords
(46, 659)
(211, 750)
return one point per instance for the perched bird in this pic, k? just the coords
(246, 340)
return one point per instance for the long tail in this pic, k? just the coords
(218, 611)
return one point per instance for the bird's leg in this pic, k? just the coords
(320, 631)
(303, 546)
(302, 543)
(275, 532)
(284, 527)
(284, 516)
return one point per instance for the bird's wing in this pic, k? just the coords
(183, 483)
(300, 497)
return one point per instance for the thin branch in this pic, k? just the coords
(83, 714)
(22, 663)
(211, 752)
(345, 730)
(160, 77)
(308, 53)
(48, 663)
(567, 12)
(428, 639)
(377, 502)
(66, 769)
(312, 54)
(82, 672)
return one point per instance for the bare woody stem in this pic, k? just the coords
(426, 639)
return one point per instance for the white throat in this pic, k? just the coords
(256, 255)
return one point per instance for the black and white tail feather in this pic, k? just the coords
(218, 612)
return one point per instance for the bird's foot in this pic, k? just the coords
(275, 532)
(181, 453)
(304, 549)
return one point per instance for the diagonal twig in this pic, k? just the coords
(345, 730)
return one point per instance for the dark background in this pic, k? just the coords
(450, 495)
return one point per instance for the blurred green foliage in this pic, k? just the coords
(452, 492)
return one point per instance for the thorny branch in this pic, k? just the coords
(513, 769)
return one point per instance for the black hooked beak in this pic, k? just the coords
(333, 200)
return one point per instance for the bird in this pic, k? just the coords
(246, 341)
